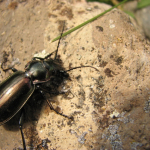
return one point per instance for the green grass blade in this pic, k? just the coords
(143, 3)
(88, 21)
(130, 14)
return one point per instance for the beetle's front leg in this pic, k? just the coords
(52, 108)
(49, 91)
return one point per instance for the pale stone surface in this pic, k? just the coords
(113, 45)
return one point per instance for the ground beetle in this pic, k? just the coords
(43, 74)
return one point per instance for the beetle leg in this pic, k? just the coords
(20, 127)
(10, 68)
(52, 108)
(54, 51)
(3, 67)
(61, 35)
(47, 91)
(66, 93)
(49, 55)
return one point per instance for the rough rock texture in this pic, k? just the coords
(111, 107)
(141, 16)
(143, 19)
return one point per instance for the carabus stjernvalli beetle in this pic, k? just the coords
(44, 75)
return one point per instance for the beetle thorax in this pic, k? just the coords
(36, 71)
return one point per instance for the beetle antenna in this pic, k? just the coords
(82, 67)
(59, 40)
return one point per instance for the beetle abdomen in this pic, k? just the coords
(14, 92)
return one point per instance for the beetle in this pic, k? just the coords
(43, 74)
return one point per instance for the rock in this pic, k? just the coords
(143, 18)
(110, 106)
(113, 45)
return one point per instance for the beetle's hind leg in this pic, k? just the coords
(20, 127)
